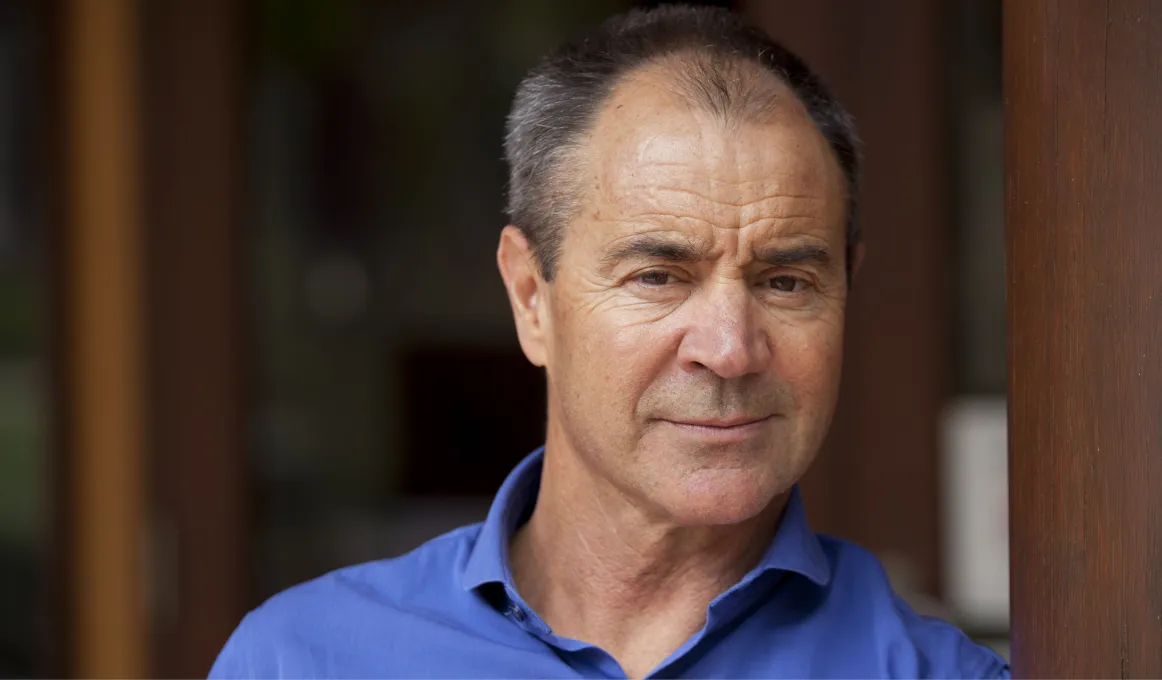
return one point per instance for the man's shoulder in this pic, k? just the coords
(921, 645)
(431, 569)
(289, 630)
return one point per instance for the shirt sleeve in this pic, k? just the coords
(990, 665)
(247, 654)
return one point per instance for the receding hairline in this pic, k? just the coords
(749, 94)
(762, 97)
(757, 96)
(731, 87)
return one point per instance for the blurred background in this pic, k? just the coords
(251, 328)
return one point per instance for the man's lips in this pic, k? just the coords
(720, 423)
(721, 431)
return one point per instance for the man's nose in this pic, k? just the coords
(724, 333)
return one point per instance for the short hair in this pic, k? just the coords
(558, 102)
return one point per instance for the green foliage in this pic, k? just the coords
(21, 322)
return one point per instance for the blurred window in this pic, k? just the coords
(24, 520)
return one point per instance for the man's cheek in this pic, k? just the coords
(812, 371)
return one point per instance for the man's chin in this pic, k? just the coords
(720, 497)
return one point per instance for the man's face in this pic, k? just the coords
(693, 332)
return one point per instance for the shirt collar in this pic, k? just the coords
(795, 547)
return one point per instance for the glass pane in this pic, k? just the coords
(375, 137)
(980, 248)
(975, 490)
(24, 522)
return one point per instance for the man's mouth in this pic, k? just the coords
(734, 428)
(722, 423)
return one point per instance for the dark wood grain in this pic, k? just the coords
(1083, 193)
(194, 91)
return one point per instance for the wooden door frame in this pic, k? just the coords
(145, 108)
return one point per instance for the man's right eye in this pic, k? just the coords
(654, 278)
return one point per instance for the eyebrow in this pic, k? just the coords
(781, 257)
(654, 247)
(670, 249)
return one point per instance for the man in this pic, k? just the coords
(683, 206)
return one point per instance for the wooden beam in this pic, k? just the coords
(102, 337)
(1083, 165)
(193, 102)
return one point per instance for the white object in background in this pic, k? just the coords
(976, 512)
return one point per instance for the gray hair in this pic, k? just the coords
(558, 102)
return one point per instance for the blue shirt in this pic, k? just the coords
(814, 607)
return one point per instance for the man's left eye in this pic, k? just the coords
(654, 278)
(786, 284)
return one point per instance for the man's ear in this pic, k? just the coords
(857, 255)
(522, 281)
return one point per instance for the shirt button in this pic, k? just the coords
(516, 612)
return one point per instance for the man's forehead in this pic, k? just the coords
(651, 151)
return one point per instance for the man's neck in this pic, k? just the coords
(598, 567)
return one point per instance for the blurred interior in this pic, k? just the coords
(293, 316)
